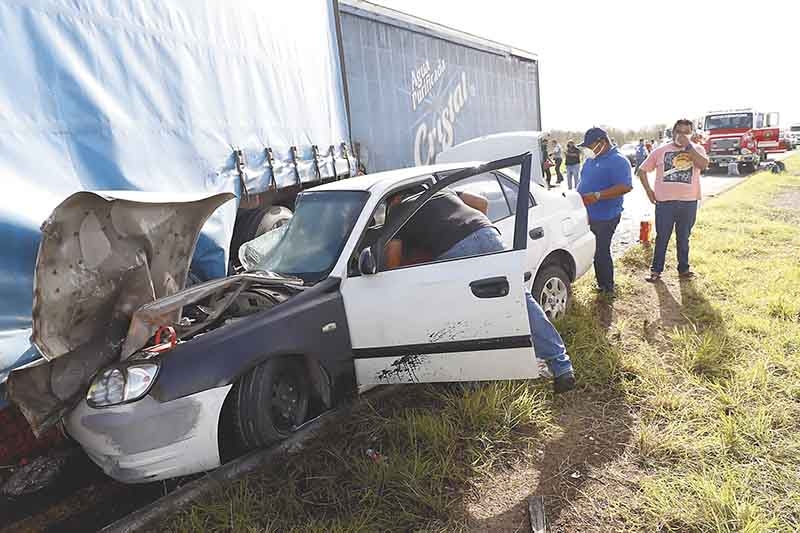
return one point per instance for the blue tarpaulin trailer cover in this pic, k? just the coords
(154, 95)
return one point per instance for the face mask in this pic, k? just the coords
(588, 153)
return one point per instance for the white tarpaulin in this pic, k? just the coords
(153, 95)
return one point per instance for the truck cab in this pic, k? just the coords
(743, 136)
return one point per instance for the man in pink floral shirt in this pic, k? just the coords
(678, 166)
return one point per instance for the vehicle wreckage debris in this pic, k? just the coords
(34, 476)
(537, 514)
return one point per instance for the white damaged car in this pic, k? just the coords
(155, 380)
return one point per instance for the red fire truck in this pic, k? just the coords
(743, 136)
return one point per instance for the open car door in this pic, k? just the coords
(462, 319)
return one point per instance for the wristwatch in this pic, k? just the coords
(597, 196)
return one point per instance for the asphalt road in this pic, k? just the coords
(637, 207)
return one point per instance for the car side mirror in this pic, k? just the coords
(366, 262)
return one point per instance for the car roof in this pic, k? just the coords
(380, 181)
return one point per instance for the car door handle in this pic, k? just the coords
(490, 287)
(528, 276)
(536, 233)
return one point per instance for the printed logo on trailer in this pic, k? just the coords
(677, 167)
(423, 79)
(435, 128)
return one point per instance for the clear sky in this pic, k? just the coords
(629, 63)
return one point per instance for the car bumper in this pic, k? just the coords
(148, 440)
(723, 160)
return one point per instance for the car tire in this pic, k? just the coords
(552, 288)
(748, 168)
(270, 402)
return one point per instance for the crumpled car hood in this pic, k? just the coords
(91, 241)
(102, 256)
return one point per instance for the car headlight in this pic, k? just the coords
(745, 151)
(121, 384)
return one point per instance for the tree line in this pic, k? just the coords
(620, 136)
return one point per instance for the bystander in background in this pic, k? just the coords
(641, 153)
(573, 162)
(546, 161)
(558, 158)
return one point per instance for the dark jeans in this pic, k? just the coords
(681, 215)
(603, 264)
(558, 161)
(547, 176)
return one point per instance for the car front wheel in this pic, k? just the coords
(270, 402)
(551, 288)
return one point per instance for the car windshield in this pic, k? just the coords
(309, 245)
(737, 120)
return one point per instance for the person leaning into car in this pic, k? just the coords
(452, 225)
(605, 179)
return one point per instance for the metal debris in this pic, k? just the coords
(34, 476)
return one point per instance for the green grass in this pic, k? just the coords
(432, 441)
(709, 372)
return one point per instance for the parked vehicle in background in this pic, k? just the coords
(785, 142)
(629, 151)
(794, 134)
(744, 136)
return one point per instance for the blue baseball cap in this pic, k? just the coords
(593, 135)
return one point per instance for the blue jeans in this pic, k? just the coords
(547, 343)
(603, 263)
(573, 174)
(681, 215)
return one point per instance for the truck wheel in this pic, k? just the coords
(270, 218)
(552, 289)
(254, 222)
(270, 402)
(748, 168)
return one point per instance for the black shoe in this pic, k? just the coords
(605, 291)
(564, 383)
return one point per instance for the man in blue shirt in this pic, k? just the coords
(605, 179)
(641, 154)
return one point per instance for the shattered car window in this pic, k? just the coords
(309, 245)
